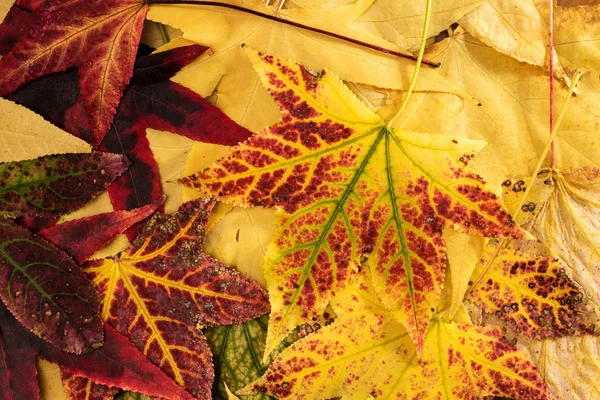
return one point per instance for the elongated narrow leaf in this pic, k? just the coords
(533, 294)
(99, 37)
(82, 237)
(47, 292)
(118, 363)
(55, 185)
(344, 185)
(163, 289)
(370, 353)
(80, 388)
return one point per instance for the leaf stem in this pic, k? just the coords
(295, 24)
(415, 75)
(163, 32)
(551, 73)
(536, 171)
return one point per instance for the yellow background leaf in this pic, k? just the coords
(24, 135)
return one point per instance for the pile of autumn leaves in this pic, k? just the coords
(380, 240)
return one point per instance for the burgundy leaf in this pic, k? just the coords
(47, 292)
(31, 5)
(17, 23)
(81, 238)
(80, 388)
(54, 185)
(118, 363)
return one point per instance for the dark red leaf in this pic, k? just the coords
(54, 185)
(96, 36)
(31, 5)
(47, 292)
(17, 23)
(118, 363)
(81, 238)
(153, 101)
(17, 375)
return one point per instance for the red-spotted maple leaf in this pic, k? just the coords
(118, 363)
(150, 101)
(344, 185)
(80, 388)
(99, 37)
(163, 290)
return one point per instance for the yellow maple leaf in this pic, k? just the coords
(344, 185)
(401, 22)
(513, 115)
(240, 94)
(366, 352)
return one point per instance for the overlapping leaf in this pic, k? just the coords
(98, 37)
(240, 94)
(401, 22)
(25, 135)
(150, 101)
(533, 294)
(81, 238)
(54, 185)
(80, 388)
(562, 212)
(118, 363)
(47, 292)
(163, 289)
(369, 353)
(345, 185)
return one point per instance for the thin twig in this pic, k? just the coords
(295, 24)
(536, 171)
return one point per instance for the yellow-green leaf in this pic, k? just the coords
(366, 352)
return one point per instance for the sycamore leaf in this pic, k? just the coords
(570, 366)
(47, 292)
(240, 94)
(45, 186)
(163, 290)
(81, 238)
(345, 185)
(97, 37)
(25, 135)
(80, 388)
(514, 27)
(371, 354)
(237, 352)
(577, 39)
(533, 294)
(402, 22)
(117, 363)
(563, 212)
(513, 116)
